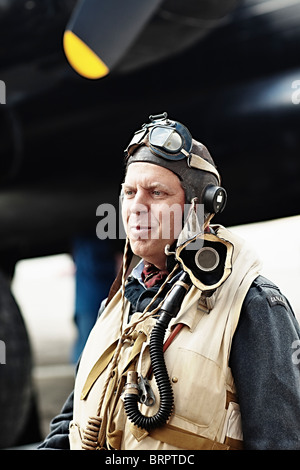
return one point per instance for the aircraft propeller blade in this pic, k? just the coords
(100, 32)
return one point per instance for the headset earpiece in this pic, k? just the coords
(214, 199)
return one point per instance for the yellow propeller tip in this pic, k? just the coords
(82, 58)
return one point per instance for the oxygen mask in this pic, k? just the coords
(206, 257)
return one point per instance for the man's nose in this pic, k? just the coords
(140, 202)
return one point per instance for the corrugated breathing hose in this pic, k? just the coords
(169, 310)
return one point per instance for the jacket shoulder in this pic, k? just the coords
(265, 292)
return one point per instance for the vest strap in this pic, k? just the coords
(97, 369)
(189, 441)
(105, 359)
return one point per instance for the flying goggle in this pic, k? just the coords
(170, 140)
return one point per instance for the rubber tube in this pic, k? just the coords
(169, 309)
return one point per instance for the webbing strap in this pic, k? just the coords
(189, 441)
(197, 162)
(105, 359)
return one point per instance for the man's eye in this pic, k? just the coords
(156, 192)
(128, 192)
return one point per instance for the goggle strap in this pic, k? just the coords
(195, 161)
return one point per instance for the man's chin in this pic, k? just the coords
(151, 250)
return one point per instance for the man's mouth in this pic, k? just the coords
(140, 231)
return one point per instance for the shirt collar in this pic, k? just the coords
(136, 273)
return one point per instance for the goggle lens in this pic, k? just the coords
(166, 138)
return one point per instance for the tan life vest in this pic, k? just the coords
(206, 415)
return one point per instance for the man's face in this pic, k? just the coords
(152, 210)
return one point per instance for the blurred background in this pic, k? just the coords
(230, 71)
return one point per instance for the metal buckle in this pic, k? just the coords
(146, 395)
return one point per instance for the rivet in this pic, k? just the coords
(174, 380)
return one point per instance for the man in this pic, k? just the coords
(194, 349)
